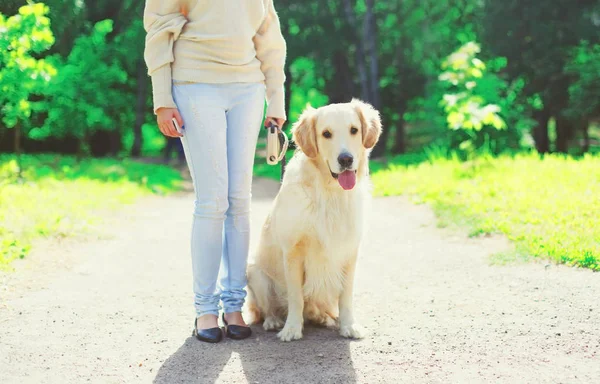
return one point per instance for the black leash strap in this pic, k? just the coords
(283, 159)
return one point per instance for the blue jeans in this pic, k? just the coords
(221, 123)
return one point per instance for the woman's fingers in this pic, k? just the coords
(276, 120)
(172, 130)
(178, 117)
(165, 121)
(161, 127)
(167, 128)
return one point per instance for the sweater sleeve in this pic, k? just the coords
(271, 51)
(163, 23)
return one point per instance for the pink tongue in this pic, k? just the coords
(347, 179)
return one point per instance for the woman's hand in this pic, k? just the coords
(164, 117)
(277, 120)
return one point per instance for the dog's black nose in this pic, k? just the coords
(345, 160)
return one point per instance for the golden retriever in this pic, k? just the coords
(305, 262)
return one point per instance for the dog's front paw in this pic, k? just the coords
(272, 323)
(329, 322)
(352, 331)
(290, 332)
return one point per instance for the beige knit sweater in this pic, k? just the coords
(218, 41)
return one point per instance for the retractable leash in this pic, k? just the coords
(277, 145)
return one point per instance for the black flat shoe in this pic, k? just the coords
(236, 332)
(210, 335)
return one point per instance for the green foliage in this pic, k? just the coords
(81, 97)
(153, 141)
(536, 64)
(584, 92)
(489, 113)
(533, 59)
(520, 196)
(538, 42)
(465, 107)
(22, 37)
(306, 87)
(62, 196)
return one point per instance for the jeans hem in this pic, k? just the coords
(233, 309)
(211, 312)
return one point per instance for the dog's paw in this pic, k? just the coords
(272, 323)
(352, 331)
(330, 323)
(290, 332)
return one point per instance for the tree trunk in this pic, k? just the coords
(562, 135)
(341, 88)
(140, 110)
(400, 138)
(84, 148)
(400, 97)
(116, 142)
(361, 65)
(370, 43)
(586, 136)
(540, 132)
(17, 139)
(18, 149)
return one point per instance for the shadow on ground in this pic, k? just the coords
(321, 357)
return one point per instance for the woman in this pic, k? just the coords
(212, 63)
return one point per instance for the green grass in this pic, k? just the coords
(59, 196)
(549, 207)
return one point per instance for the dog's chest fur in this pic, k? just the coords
(338, 225)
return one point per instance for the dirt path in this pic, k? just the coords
(118, 310)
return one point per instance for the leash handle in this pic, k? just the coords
(276, 139)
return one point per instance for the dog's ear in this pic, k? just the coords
(304, 132)
(370, 122)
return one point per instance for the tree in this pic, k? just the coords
(467, 102)
(536, 40)
(584, 91)
(22, 75)
(415, 36)
(80, 100)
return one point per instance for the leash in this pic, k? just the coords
(276, 140)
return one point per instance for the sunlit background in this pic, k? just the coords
(491, 112)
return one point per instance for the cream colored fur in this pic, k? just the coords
(305, 262)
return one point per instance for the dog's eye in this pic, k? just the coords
(353, 130)
(327, 134)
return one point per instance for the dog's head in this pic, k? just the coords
(339, 136)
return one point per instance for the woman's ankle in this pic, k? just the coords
(207, 321)
(235, 318)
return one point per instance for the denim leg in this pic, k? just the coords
(205, 147)
(243, 123)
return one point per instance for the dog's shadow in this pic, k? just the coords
(322, 356)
